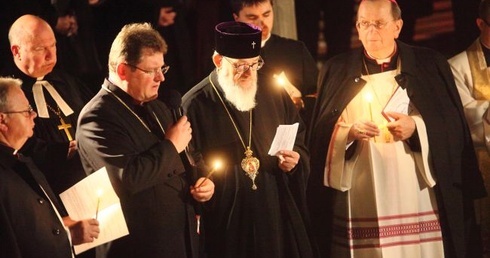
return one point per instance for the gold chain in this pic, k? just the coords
(58, 113)
(231, 118)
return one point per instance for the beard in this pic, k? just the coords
(241, 97)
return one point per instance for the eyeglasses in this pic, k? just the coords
(164, 69)
(30, 111)
(366, 24)
(243, 67)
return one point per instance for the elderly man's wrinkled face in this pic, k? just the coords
(376, 27)
(238, 78)
(19, 117)
(36, 56)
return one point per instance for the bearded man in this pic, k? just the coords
(258, 209)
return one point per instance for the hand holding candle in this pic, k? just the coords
(217, 165)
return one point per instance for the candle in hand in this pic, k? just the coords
(369, 98)
(217, 165)
(99, 194)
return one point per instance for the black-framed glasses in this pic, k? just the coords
(377, 24)
(30, 111)
(164, 69)
(243, 67)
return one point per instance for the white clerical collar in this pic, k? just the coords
(381, 61)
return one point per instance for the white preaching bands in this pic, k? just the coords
(42, 109)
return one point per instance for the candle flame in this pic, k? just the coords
(217, 164)
(369, 97)
(99, 192)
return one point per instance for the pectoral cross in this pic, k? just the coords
(64, 126)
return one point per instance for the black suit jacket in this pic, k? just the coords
(29, 226)
(146, 172)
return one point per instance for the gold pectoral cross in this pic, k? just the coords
(64, 126)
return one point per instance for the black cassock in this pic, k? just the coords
(49, 146)
(145, 170)
(239, 221)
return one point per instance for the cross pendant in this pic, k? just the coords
(64, 126)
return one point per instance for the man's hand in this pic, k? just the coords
(82, 231)
(180, 134)
(287, 160)
(403, 126)
(72, 149)
(167, 16)
(205, 190)
(362, 130)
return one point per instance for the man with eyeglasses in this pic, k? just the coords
(289, 64)
(471, 73)
(56, 96)
(126, 129)
(258, 209)
(393, 172)
(31, 220)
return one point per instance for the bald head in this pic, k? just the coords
(33, 45)
(26, 27)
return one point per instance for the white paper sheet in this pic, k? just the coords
(399, 102)
(82, 200)
(284, 138)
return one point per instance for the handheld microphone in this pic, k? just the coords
(174, 101)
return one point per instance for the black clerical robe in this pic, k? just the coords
(146, 172)
(49, 145)
(239, 221)
(29, 226)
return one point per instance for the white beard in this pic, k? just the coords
(242, 99)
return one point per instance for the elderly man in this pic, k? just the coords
(29, 210)
(394, 173)
(55, 95)
(259, 208)
(127, 130)
(471, 73)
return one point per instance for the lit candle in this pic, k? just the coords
(99, 194)
(217, 165)
(369, 98)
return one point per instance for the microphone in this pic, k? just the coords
(173, 99)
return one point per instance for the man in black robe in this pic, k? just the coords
(53, 146)
(281, 55)
(427, 78)
(125, 129)
(258, 209)
(30, 221)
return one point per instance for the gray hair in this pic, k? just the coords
(6, 84)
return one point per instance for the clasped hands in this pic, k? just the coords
(402, 128)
